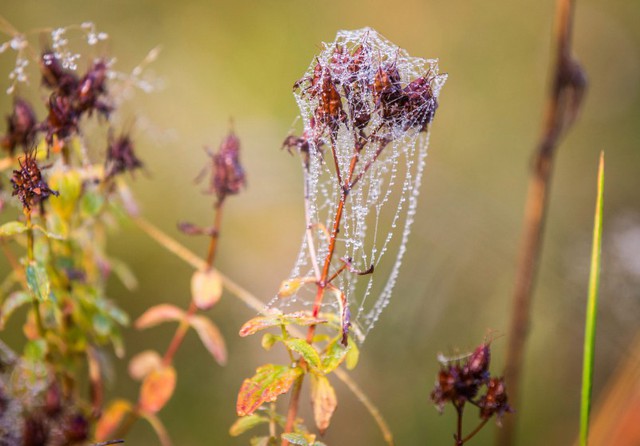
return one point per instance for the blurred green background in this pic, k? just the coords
(239, 59)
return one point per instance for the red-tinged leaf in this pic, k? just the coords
(157, 388)
(323, 398)
(210, 337)
(158, 428)
(206, 288)
(269, 381)
(144, 363)
(111, 419)
(159, 314)
(247, 423)
(302, 318)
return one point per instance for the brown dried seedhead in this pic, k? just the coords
(227, 173)
(28, 184)
(460, 381)
(21, 127)
(72, 97)
(121, 156)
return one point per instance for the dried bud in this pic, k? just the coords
(495, 400)
(92, 89)
(228, 175)
(121, 157)
(35, 431)
(28, 184)
(445, 389)
(21, 127)
(192, 229)
(62, 120)
(54, 76)
(76, 428)
(53, 400)
(421, 104)
(478, 362)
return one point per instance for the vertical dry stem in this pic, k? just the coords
(563, 104)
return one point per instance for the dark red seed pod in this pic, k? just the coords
(28, 184)
(21, 127)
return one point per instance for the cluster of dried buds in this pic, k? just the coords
(468, 380)
(72, 96)
(22, 127)
(28, 184)
(121, 156)
(355, 88)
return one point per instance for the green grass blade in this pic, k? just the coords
(592, 306)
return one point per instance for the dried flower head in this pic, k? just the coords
(54, 76)
(227, 174)
(121, 156)
(92, 90)
(494, 402)
(21, 127)
(28, 184)
(461, 380)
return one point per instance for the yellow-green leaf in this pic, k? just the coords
(353, 354)
(69, 186)
(269, 381)
(302, 318)
(244, 424)
(12, 228)
(158, 428)
(306, 350)
(206, 288)
(157, 388)
(323, 398)
(333, 356)
(38, 281)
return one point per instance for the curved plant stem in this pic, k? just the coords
(256, 304)
(563, 104)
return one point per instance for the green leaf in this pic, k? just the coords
(592, 309)
(12, 228)
(298, 439)
(306, 350)
(269, 381)
(12, 302)
(91, 203)
(38, 281)
(36, 350)
(101, 324)
(302, 318)
(333, 356)
(244, 424)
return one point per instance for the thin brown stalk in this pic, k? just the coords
(567, 88)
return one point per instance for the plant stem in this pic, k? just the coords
(592, 306)
(459, 412)
(563, 103)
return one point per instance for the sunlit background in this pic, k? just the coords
(238, 60)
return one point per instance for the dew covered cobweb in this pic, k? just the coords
(380, 206)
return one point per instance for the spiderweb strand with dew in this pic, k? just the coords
(366, 106)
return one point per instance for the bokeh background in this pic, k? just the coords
(239, 59)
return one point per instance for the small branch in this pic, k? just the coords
(563, 104)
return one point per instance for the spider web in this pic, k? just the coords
(379, 208)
